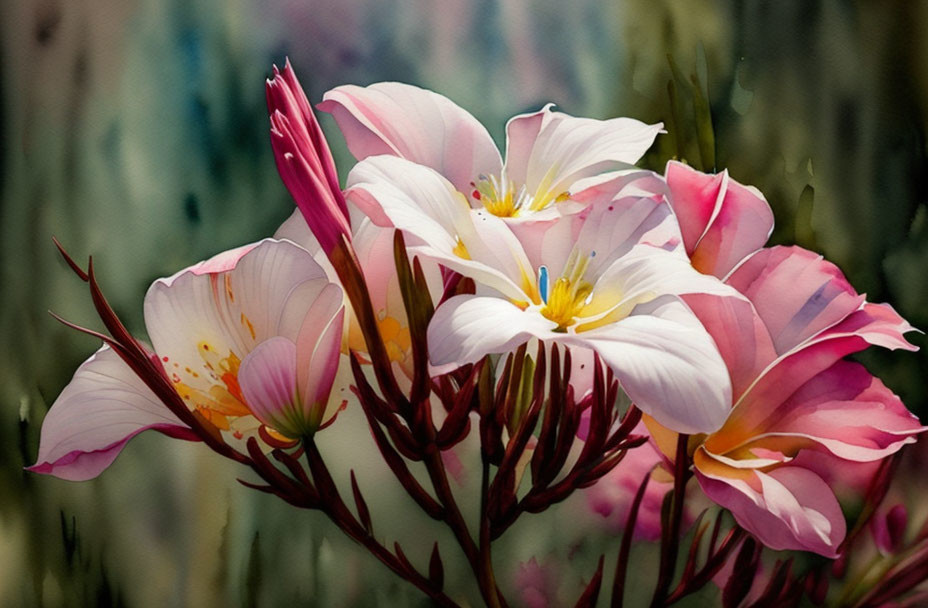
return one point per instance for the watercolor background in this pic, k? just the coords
(136, 131)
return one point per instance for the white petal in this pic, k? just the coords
(667, 363)
(566, 149)
(102, 408)
(647, 272)
(415, 199)
(465, 328)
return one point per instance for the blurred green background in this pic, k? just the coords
(136, 131)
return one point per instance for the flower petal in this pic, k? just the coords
(102, 408)
(667, 364)
(739, 333)
(608, 230)
(268, 379)
(419, 125)
(796, 292)
(721, 220)
(319, 347)
(232, 311)
(646, 272)
(788, 508)
(465, 328)
(844, 409)
(548, 151)
(396, 192)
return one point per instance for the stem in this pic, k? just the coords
(455, 521)
(349, 271)
(486, 561)
(670, 541)
(621, 564)
(336, 510)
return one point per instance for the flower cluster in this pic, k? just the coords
(589, 324)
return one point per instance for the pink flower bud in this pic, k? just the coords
(304, 159)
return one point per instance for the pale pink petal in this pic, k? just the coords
(722, 220)
(221, 262)
(796, 293)
(521, 132)
(415, 124)
(465, 328)
(296, 229)
(320, 365)
(104, 406)
(268, 379)
(227, 312)
(608, 230)
(788, 508)
(439, 223)
(667, 364)
(565, 149)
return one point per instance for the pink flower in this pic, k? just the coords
(537, 584)
(595, 281)
(793, 392)
(248, 338)
(551, 157)
(373, 246)
(305, 161)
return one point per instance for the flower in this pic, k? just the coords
(250, 338)
(373, 246)
(304, 159)
(800, 411)
(551, 157)
(596, 282)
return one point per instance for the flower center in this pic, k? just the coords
(500, 196)
(223, 399)
(503, 198)
(569, 294)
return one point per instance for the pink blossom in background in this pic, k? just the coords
(612, 496)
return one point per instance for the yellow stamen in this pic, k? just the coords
(503, 207)
(569, 294)
(223, 399)
(565, 301)
(500, 196)
(460, 250)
